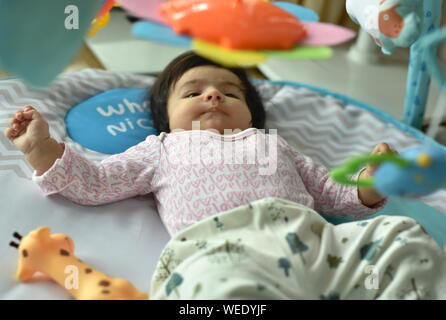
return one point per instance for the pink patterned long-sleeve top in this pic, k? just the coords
(195, 174)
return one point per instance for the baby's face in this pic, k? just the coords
(211, 95)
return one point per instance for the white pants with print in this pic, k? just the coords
(278, 249)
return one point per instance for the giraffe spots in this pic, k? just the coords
(64, 252)
(183, 239)
(105, 291)
(104, 283)
(344, 240)
(24, 253)
(88, 270)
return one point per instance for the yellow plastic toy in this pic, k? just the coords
(102, 18)
(53, 255)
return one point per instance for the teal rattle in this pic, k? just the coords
(418, 171)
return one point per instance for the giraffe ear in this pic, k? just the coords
(66, 239)
(42, 233)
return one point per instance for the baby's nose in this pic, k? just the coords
(214, 95)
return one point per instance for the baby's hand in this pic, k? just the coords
(381, 148)
(27, 129)
(368, 195)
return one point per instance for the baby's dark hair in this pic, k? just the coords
(159, 94)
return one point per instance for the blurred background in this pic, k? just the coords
(361, 71)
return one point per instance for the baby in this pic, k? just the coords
(237, 231)
(191, 91)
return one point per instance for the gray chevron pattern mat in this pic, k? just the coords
(53, 102)
(325, 128)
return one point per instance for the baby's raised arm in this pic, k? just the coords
(29, 132)
(59, 169)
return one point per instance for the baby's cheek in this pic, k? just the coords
(184, 118)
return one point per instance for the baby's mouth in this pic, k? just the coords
(213, 109)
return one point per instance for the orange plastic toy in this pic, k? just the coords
(53, 255)
(106, 7)
(102, 17)
(247, 24)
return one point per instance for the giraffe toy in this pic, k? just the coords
(53, 255)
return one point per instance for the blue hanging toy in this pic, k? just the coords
(418, 171)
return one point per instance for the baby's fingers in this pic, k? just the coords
(381, 148)
(19, 115)
(28, 113)
(22, 126)
(11, 134)
(31, 114)
(12, 121)
(16, 127)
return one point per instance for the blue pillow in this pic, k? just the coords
(112, 121)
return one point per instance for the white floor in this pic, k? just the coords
(381, 85)
(117, 50)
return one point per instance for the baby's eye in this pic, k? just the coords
(231, 95)
(192, 94)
